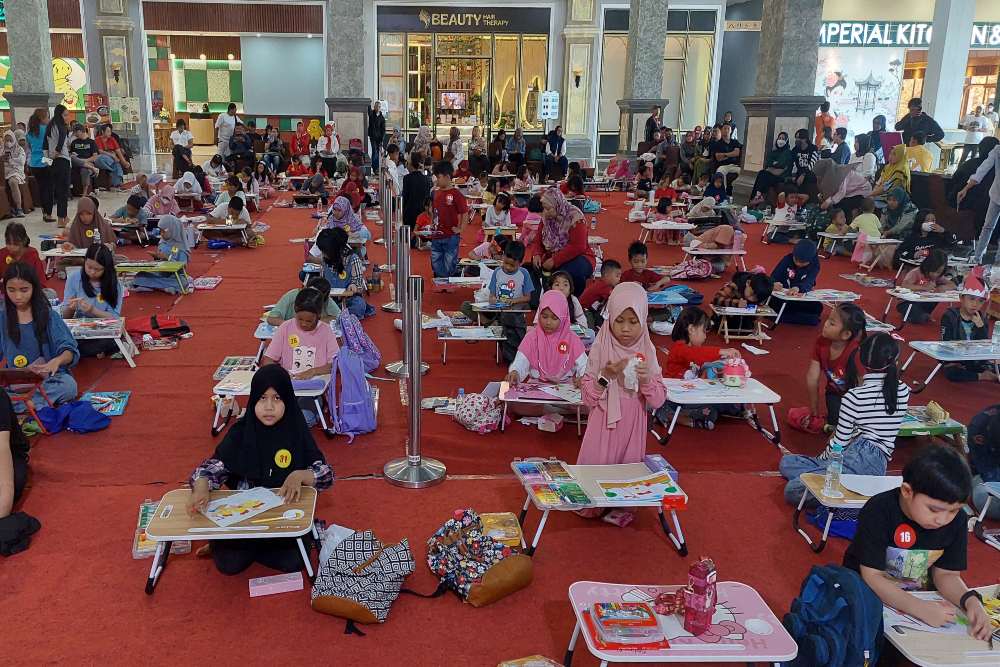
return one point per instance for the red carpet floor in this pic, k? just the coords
(76, 593)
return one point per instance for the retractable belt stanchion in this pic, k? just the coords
(413, 470)
(400, 368)
(391, 260)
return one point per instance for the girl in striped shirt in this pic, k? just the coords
(869, 419)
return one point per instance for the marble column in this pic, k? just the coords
(785, 99)
(30, 50)
(581, 78)
(947, 59)
(345, 56)
(647, 35)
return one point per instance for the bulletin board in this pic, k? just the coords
(212, 82)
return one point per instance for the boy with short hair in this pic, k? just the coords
(597, 293)
(83, 155)
(915, 538)
(510, 284)
(638, 257)
(234, 210)
(451, 213)
(133, 212)
(967, 322)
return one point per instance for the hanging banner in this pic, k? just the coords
(893, 33)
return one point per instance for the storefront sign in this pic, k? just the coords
(743, 26)
(463, 19)
(892, 33)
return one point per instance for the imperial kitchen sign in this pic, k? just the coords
(463, 19)
(892, 33)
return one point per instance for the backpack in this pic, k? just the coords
(479, 569)
(694, 297)
(591, 206)
(356, 340)
(836, 620)
(692, 268)
(353, 411)
(361, 579)
(75, 416)
(157, 326)
(478, 412)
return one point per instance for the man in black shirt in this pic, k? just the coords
(918, 121)
(376, 132)
(915, 538)
(725, 153)
(83, 155)
(652, 125)
(416, 191)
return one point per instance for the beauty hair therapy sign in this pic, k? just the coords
(432, 18)
(892, 33)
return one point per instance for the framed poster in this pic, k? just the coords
(116, 65)
(112, 6)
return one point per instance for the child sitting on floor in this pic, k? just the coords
(984, 457)
(18, 249)
(304, 345)
(34, 337)
(622, 380)
(644, 180)
(638, 258)
(510, 285)
(173, 247)
(563, 282)
(834, 364)
(498, 215)
(88, 226)
(915, 538)
(343, 269)
(230, 212)
(687, 357)
(721, 237)
(796, 273)
(838, 225)
(132, 213)
(269, 446)
(595, 298)
(966, 322)
(94, 291)
(343, 215)
(523, 181)
(867, 424)
(928, 277)
(492, 249)
(550, 351)
(233, 187)
(284, 310)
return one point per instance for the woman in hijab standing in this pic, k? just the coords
(57, 143)
(563, 243)
(270, 446)
(776, 169)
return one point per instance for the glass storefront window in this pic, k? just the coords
(534, 65)
(672, 91)
(612, 82)
(463, 91)
(697, 75)
(505, 85)
(419, 102)
(391, 81)
(465, 45)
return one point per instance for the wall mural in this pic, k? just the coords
(69, 75)
(860, 83)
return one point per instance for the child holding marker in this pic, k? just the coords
(94, 291)
(638, 259)
(18, 249)
(550, 351)
(596, 296)
(284, 310)
(796, 273)
(173, 247)
(928, 277)
(966, 322)
(833, 369)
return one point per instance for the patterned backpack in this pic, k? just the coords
(476, 567)
(355, 339)
(478, 412)
(361, 579)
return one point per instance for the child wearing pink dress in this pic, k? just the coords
(617, 424)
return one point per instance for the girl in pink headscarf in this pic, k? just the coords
(622, 378)
(163, 201)
(550, 352)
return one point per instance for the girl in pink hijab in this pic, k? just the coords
(163, 201)
(550, 352)
(623, 377)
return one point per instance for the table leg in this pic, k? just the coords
(678, 540)
(568, 658)
(724, 326)
(906, 316)
(907, 363)
(503, 418)
(833, 247)
(498, 353)
(305, 557)
(775, 436)
(780, 312)
(888, 307)
(742, 261)
(124, 349)
(260, 352)
(816, 548)
(444, 353)
(322, 417)
(524, 510)
(180, 283)
(538, 533)
(932, 374)
(670, 429)
(899, 272)
(578, 420)
(158, 565)
(644, 236)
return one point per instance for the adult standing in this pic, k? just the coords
(416, 191)
(917, 121)
(993, 212)
(992, 115)
(652, 124)
(977, 127)
(301, 144)
(37, 125)
(57, 143)
(978, 198)
(328, 149)
(823, 119)
(562, 244)
(376, 132)
(555, 151)
(225, 127)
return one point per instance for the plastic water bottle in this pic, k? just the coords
(834, 466)
(593, 224)
(996, 335)
(461, 394)
(97, 237)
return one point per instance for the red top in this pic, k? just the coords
(30, 257)
(564, 187)
(296, 168)
(355, 194)
(107, 144)
(683, 355)
(300, 144)
(449, 205)
(597, 291)
(424, 221)
(646, 278)
(665, 192)
(834, 370)
(577, 244)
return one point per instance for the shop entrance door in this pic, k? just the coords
(462, 95)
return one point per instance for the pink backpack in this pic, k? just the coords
(692, 268)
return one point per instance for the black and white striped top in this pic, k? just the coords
(863, 414)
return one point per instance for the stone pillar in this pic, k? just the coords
(115, 47)
(30, 50)
(345, 60)
(785, 99)
(647, 36)
(947, 59)
(581, 78)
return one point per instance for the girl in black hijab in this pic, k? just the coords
(875, 138)
(269, 446)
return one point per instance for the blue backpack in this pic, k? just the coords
(836, 620)
(352, 409)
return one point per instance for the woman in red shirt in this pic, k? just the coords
(112, 158)
(562, 244)
(301, 141)
(18, 249)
